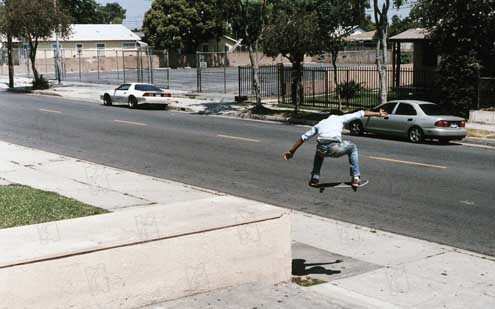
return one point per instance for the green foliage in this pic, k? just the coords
(91, 12)
(32, 21)
(336, 20)
(41, 84)
(349, 89)
(183, 24)
(457, 84)
(464, 36)
(291, 30)
(399, 25)
(247, 18)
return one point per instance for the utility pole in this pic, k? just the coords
(57, 52)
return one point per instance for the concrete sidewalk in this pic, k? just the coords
(377, 269)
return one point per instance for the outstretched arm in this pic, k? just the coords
(289, 154)
(381, 113)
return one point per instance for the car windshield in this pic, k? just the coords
(432, 109)
(142, 87)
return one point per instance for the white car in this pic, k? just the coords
(133, 94)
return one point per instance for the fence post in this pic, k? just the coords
(281, 75)
(123, 64)
(314, 87)
(326, 86)
(239, 79)
(98, 62)
(150, 65)
(347, 82)
(225, 73)
(198, 73)
(117, 62)
(80, 73)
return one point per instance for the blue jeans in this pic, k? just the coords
(336, 150)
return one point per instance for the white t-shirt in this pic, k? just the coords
(331, 128)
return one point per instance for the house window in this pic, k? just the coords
(100, 49)
(55, 51)
(129, 45)
(79, 48)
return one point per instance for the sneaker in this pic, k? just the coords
(314, 181)
(356, 182)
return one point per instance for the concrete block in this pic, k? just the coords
(144, 255)
(485, 117)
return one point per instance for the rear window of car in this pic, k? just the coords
(124, 87)
(432, 109)
(147, 88)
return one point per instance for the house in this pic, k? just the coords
(425, 58)
(86, 40)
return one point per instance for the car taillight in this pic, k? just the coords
(149, 95)
(162, 94)
(442, 123)
(462, 124)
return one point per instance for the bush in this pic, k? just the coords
(41, 84)
(349, 90)
(457, 83)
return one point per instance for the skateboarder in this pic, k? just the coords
(330, 144)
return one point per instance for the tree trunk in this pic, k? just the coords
(32, 56)
(297, 92)
(335, 54)
(255, 74)
(10, 60)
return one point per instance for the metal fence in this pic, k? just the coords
(356, 86)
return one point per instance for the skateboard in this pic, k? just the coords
(348, 184)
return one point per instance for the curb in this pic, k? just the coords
(479, 141)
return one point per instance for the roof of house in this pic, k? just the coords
(99, 32)
(92, 32)
(413, 34)
(363, 36)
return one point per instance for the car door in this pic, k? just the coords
(403, 119)
(121, 93)
(379, 124)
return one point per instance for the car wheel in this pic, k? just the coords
(356, 127)
(107, 100)
(416, 135)
(132, 102)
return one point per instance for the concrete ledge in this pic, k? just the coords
(146, 254)
(485, 117)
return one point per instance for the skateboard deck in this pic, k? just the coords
(347, 184)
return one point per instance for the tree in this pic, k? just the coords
(337, 19)
(81, 11)
(91, 12)
(6, 16)
(399, 25)
(33, 21)
(290, 32)
(183, 24)
(382, 23)
(463, 35)
(248, 19)
(111, 13)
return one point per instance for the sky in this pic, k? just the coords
(137, 8)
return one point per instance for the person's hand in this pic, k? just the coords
(288, 155)
(383, 113)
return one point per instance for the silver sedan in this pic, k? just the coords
(415, 120)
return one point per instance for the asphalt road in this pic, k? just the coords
(438, 193)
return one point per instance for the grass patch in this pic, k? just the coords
(480, 133)
(307, 281)
(21, 205)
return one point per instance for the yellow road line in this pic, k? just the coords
(50, 111)
(133, 123)
(239, 138)
(408, 162)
